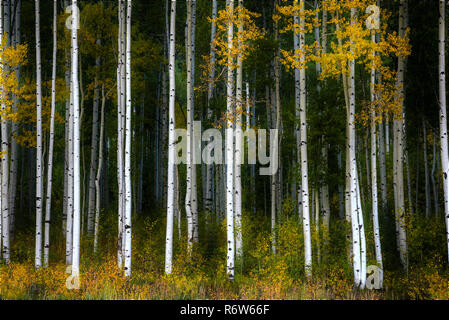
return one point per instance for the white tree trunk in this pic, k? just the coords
(51, 142)
(120, 131)
(443, 115)
(374, 197)
(128, 133)
(399, 149)
(190, 144)
(39, 178)
(304, 163)
(238, 147)
(100, 167)
(352, 162)
(230, 154)
(171, 145)
(93, 152)
(5, 157)
(76, 147)
(16, 4)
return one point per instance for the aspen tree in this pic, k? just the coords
(127, 226)
(443, 114)
(16, 8)
(5, 152)
(230, 150)
(238, 140)
(171, 144)
(52, 139)
(398, 146)
(39, 178)
(99, 169)
(76, 146)
(190, 144)
(374, 197)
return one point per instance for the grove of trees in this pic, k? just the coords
(95, 95)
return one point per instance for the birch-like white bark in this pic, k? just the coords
(399, 148)
(100, 167)
(190, 144)
(39, 178)
(5, 157)
(171, 144)
(303, 129)
(93, 151)
(374, 197)
(51, 142)
(238, 144)
(351, 161)
(128, 133)
(76, 147)
(230, 152)
(443, 115)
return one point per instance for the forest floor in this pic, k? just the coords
(202, 273)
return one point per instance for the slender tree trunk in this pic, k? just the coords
(93, 152)
(374, 197)
(230, 152)
(5, 151)
(16, 5)
(398, 166)
(76, 147)
(39, 178)
(238, 145)
(128, 133)
(100, 167)
(303, 134)
(52, 139)
(190, 143)
(359, 276)
(120, 131)
(443, 115)
(171, 145)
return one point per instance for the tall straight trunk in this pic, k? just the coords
(65, 209)
(52, 139)
(230, 152)
(128, 133)
(443, 115)
(120, 131)
(194, 147)
(303, 134)
(190, 144)
(171, 145)
(69, 213)
(359, 275)
(382, 169)
(93, 151)
(16, 5)
(76, 147)
(398, 165)
(238, 145)
(5, 151)
(374, 197)
(99, 170)
(39, 178)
